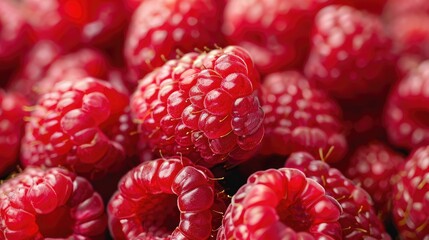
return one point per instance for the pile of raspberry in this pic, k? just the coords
(214, 119)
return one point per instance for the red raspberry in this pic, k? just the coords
(410, 33)
(13, 34)
(372, 167)
(299, 117)
(72, 23)
(165, 199)
(50, 204)
(83, 63)
(281, 204)
(81, 125)
(34, 67)
(411, 196)
(202, 106)
(395, 8)
(358, 220)
(350, 55)
(11, 128)
(161, 29)
(276, 33)
(406, 111)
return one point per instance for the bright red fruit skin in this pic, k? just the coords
(411, 196)
(350, 55)
(281, 204)
(83, 125)
(358, 219)
(12, 115)
(204, 106)
(165, 199)
(50, 203)
(299, 117)
(160, 30)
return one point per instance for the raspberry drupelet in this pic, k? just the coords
(82, 125)
(50, 204)
(166, 199)
(281, 204)
(204, 106)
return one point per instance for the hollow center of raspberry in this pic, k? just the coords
(294, 215)
(57, 224)
(160, 215)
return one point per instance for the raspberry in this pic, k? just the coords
(50, 203)
(281, 204)
(159, 30)
(411, 196)
(81, 125)
(396, 8)
(358, 220)
(73, 23)
(372, 167)
(276, 33)
(202, 106)
(367, 5)
(350, 54)
(299, 117)
(11, 128)
(406, 111)
(410, 33)
(85, 62)
(165, 199)
(34, 67)
(13, 34)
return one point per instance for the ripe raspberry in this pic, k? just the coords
(73, 23)
(410, 33)
(202, 106)
(372, 167)
(83, 63)
(81, 125)
(299, 117)
(350, 54)
(406, 112)
(34, 67)
(11, 128)
(358, 220)
(160, 29)
(281, 204)
(276, 33)
(411, 196)
(13, 34)
(396, 8)
(50, 204)
(165, 199)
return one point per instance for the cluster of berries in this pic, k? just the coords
(214, 119)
